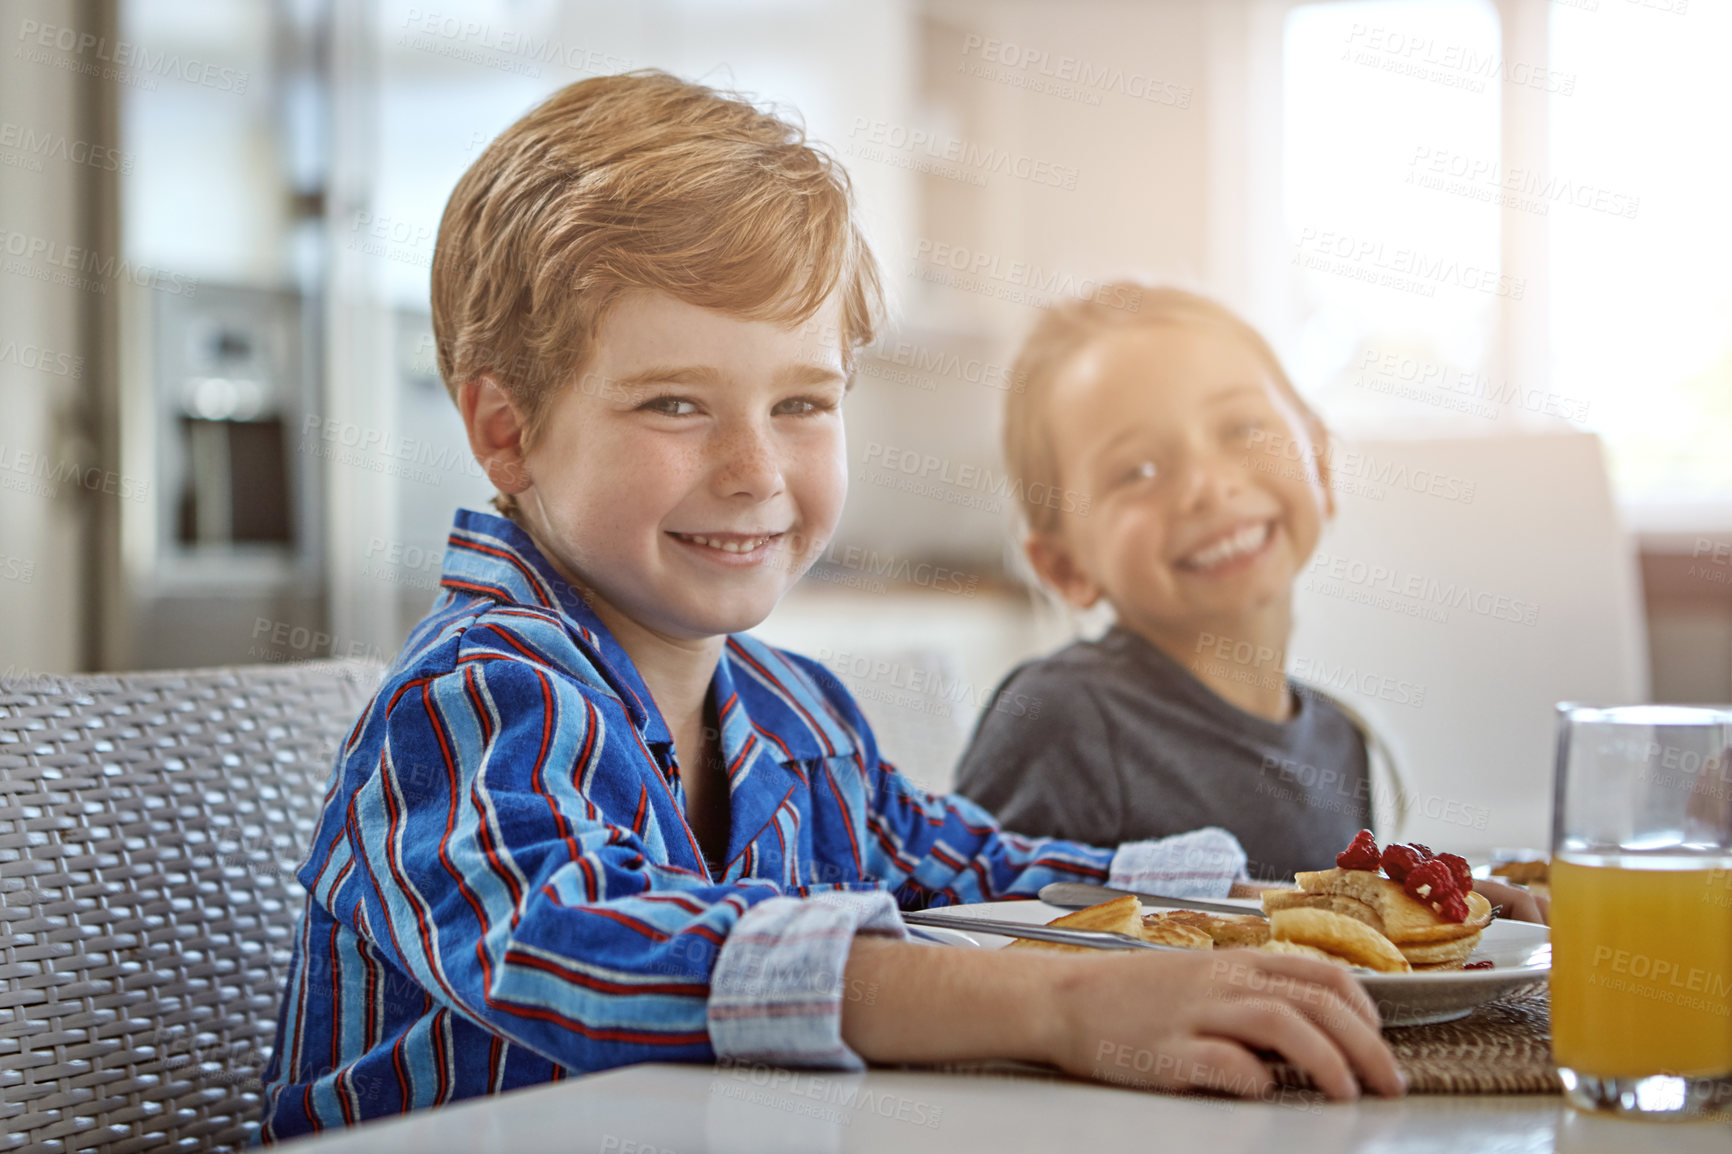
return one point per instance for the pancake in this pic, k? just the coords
(1227, 931)
(1119, 916)
(1300, 950)
(1451, 953)
(1170, 931)
(1340, 935)
(1406, 920)
(1336, 903)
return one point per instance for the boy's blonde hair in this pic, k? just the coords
(637, 181)
(1066, 330)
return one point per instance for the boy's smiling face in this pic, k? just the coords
(1191, 524)
(695, 468)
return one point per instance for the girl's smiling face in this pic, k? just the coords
(1192, 523)
(696, 468)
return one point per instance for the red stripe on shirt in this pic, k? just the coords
(787, 695)
(604, 985)
(437, 725)
(511, 558)
(847, 821)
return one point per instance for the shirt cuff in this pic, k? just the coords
(1203, 863)
(777, 989)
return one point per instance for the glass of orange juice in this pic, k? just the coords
(1641, 914)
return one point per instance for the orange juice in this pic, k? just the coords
(1642, 966)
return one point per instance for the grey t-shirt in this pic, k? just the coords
(1113, 740)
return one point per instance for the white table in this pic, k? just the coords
(666, 1109)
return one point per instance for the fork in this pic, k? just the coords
(1092, 939)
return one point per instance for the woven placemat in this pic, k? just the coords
(1503, 1047)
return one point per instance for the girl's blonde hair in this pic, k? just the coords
(1066, 330)
(637, 181)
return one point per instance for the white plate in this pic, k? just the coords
(1520, 953)
(938, 935)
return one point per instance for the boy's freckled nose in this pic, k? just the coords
(746, 463)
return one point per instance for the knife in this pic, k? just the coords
(1079, 895)
(1062, 935)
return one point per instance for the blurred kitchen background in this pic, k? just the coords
(1489, 240)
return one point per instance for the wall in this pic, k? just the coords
(46, 360)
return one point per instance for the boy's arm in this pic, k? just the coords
(949, 850)
(1180, 1020)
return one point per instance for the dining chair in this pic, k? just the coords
(1464, 587)
(150, 825)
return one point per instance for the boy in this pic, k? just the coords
(1194, 534)
(1156, 416)
(585, 822)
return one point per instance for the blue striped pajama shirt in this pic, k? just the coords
(503, 888)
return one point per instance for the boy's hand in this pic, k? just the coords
(1517, 902)
(1191, 1021)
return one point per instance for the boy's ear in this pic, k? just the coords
(1054, 564)
(495, 432)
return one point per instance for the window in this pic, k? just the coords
(1491, 232)
(1389, 265)
(1640, 239)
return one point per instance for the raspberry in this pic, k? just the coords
(1433, 883)
(1428, 882)
(1482, 964)
(1459, 868)
(1360, 854)
(1424, 850)
(1398, 860)
(1453, 908)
